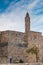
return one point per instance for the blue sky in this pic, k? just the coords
(12, 14)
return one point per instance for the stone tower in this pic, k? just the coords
(27, 27)
(27, 23)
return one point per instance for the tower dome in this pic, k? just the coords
(27, 14)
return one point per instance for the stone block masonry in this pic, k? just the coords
(13, 45)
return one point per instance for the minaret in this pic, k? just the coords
(27, 23)
(27, 27)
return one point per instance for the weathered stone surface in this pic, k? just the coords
(13, 44)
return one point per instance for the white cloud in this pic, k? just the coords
(14, 20)
(33, 4)
(11, 21)
(37, 24)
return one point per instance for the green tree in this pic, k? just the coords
(34, 50)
